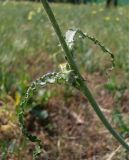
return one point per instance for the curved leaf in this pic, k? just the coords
(70, 38)
(50, 78)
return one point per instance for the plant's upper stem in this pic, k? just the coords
(83, 85)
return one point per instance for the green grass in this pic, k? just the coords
(20, 36)
(26, 34)
(30, 34)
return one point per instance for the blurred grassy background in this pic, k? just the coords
(29, 48)
(26, 33)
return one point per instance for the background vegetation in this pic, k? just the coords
(29, 48)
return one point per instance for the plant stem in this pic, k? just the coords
(83, 85)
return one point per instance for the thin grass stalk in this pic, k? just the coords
(83, 85)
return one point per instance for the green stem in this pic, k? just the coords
(83, 85)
